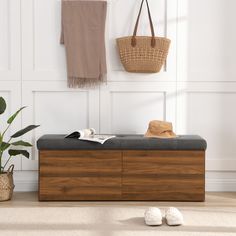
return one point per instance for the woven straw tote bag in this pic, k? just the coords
(143, 54)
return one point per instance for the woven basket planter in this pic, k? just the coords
(6, 184)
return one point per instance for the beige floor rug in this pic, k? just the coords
(111, 221)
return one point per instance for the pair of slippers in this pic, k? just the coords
(173, 216)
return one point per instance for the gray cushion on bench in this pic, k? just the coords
(125, 142)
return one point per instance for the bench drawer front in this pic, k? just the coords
(80, 175)
(163, 175)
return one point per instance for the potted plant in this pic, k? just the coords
(13, 148)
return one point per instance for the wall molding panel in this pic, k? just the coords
(57, 109)
(10, 40)
(206, 108)
(196, 89)
(11, 92)
(43, 57)
(156, 99)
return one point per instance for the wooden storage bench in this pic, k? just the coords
(128, 167)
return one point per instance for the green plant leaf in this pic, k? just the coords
(13, 152)
(4, 146)
(24, 131)
(10, 120)
(3, 105)
(1, 139)
(22, 143)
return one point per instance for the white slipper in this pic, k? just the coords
(174, 217)
(153, 216)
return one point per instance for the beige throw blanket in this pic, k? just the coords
(83, 33)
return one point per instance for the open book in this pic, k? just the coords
(89, 135)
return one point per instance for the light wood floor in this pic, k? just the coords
(25, 216)
(213, 199)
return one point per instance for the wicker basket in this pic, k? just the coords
(6, 184)
(143, 53)
(143, 57)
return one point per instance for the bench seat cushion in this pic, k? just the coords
(123, 142)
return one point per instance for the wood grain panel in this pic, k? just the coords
(185, 196)
(70, 188)
(122, 175)
(163, 181)
(163, 162)
(80, 175)
(163, 175)
(80, 163)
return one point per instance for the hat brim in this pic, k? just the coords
(169, 134)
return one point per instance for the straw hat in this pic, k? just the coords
(160, 129)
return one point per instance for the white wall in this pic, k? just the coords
(196, 90)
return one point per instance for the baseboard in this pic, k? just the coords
(27, 181)
(221, 185)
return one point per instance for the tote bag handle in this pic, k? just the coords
(133, 40)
